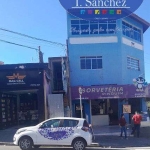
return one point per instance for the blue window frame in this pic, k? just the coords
(75, 30)
(131, 31)
(133, 63)
(112, 28)
(91, 62)
(102, 28)
(83, 27)
(94, 29)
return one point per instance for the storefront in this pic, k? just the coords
(103, 105)
(22, 94)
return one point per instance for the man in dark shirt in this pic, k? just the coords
(122, 124)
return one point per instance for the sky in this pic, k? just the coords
(45, 19)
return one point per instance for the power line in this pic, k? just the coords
(34, 38)
(19, 45)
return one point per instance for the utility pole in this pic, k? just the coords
(40, 56)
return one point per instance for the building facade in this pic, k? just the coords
(23, 90)
(105, 58)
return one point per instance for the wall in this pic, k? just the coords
(114, 57)
(135, 49)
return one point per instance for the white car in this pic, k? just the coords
(68, 131)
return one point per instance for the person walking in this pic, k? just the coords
(137, 118)
(122, 124)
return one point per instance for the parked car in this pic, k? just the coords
(68, 131)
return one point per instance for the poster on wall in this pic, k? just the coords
(126, 109)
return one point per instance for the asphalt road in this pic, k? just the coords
(3, 147)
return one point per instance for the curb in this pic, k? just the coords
(7, 143)
(11, 144)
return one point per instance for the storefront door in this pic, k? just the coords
(78, 111)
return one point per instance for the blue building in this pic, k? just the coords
(102, 57)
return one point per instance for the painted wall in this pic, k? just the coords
(114, 57)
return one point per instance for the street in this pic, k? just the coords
(3, 147)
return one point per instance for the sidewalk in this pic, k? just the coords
(106, 136)
(6, 135)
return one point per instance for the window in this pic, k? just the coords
(133, 63)
(91, 62)
(85, 124)
(70, 123)
(83, 27)
(51, 123)
(131, 31)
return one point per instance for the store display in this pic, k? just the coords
(8, 110)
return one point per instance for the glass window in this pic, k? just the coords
(111, 28)
(102, 28)
(84, 22)
(75, 22)
(91, 62)
(131, 31)
(94, 28)
(82, 62)
(70, 123)
(99, 63)
(84, 29)
(133, 63)
(75, 29)
(51, 123)
(88, 63)
(85, 124)
(94, 64)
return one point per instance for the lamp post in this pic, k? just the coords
(80, 93)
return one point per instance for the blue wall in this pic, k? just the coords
(114, 58)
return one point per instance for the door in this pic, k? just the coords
(48, 133)
(78, 111)
(69, 128)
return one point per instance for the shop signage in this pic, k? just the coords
(16, 79)
(110, 91)
(126, 109)
(25, 78)
(101, 10)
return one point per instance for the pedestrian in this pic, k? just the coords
(110, 113)
(122, 124)
(137, 118)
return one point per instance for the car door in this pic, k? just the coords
(48, 132)
(69, 128)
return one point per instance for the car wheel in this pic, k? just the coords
(25, 143)
(79, 144)
(36, 146)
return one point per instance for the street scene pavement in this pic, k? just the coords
(109, 136)
(65, 148)
(106, 136)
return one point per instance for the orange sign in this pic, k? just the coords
(16, 76)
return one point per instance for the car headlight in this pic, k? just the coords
(19, 131)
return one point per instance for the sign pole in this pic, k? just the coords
(80, 93)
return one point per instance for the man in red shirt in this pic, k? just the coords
(137, 118)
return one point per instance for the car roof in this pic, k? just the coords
(72, 118)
